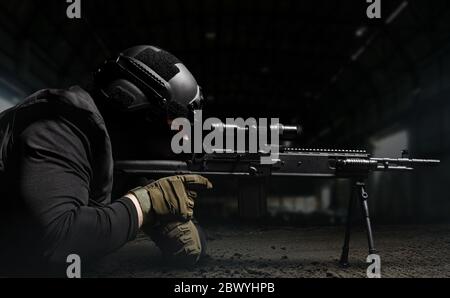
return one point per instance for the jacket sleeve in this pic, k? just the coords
(54, 179)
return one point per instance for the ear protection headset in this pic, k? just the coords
(148, 79)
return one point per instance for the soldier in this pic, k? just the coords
(56, 167)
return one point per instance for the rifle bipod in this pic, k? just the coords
(359, 190)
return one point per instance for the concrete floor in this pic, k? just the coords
(406, 251)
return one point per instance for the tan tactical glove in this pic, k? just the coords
(181, 243)
(169, 199)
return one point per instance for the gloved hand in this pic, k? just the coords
(169, 199)
(181, 243)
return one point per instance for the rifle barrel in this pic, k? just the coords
(404, 161)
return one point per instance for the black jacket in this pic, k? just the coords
(56, 179)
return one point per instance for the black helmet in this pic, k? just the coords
(151, 79)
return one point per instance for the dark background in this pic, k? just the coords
(350, 81)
